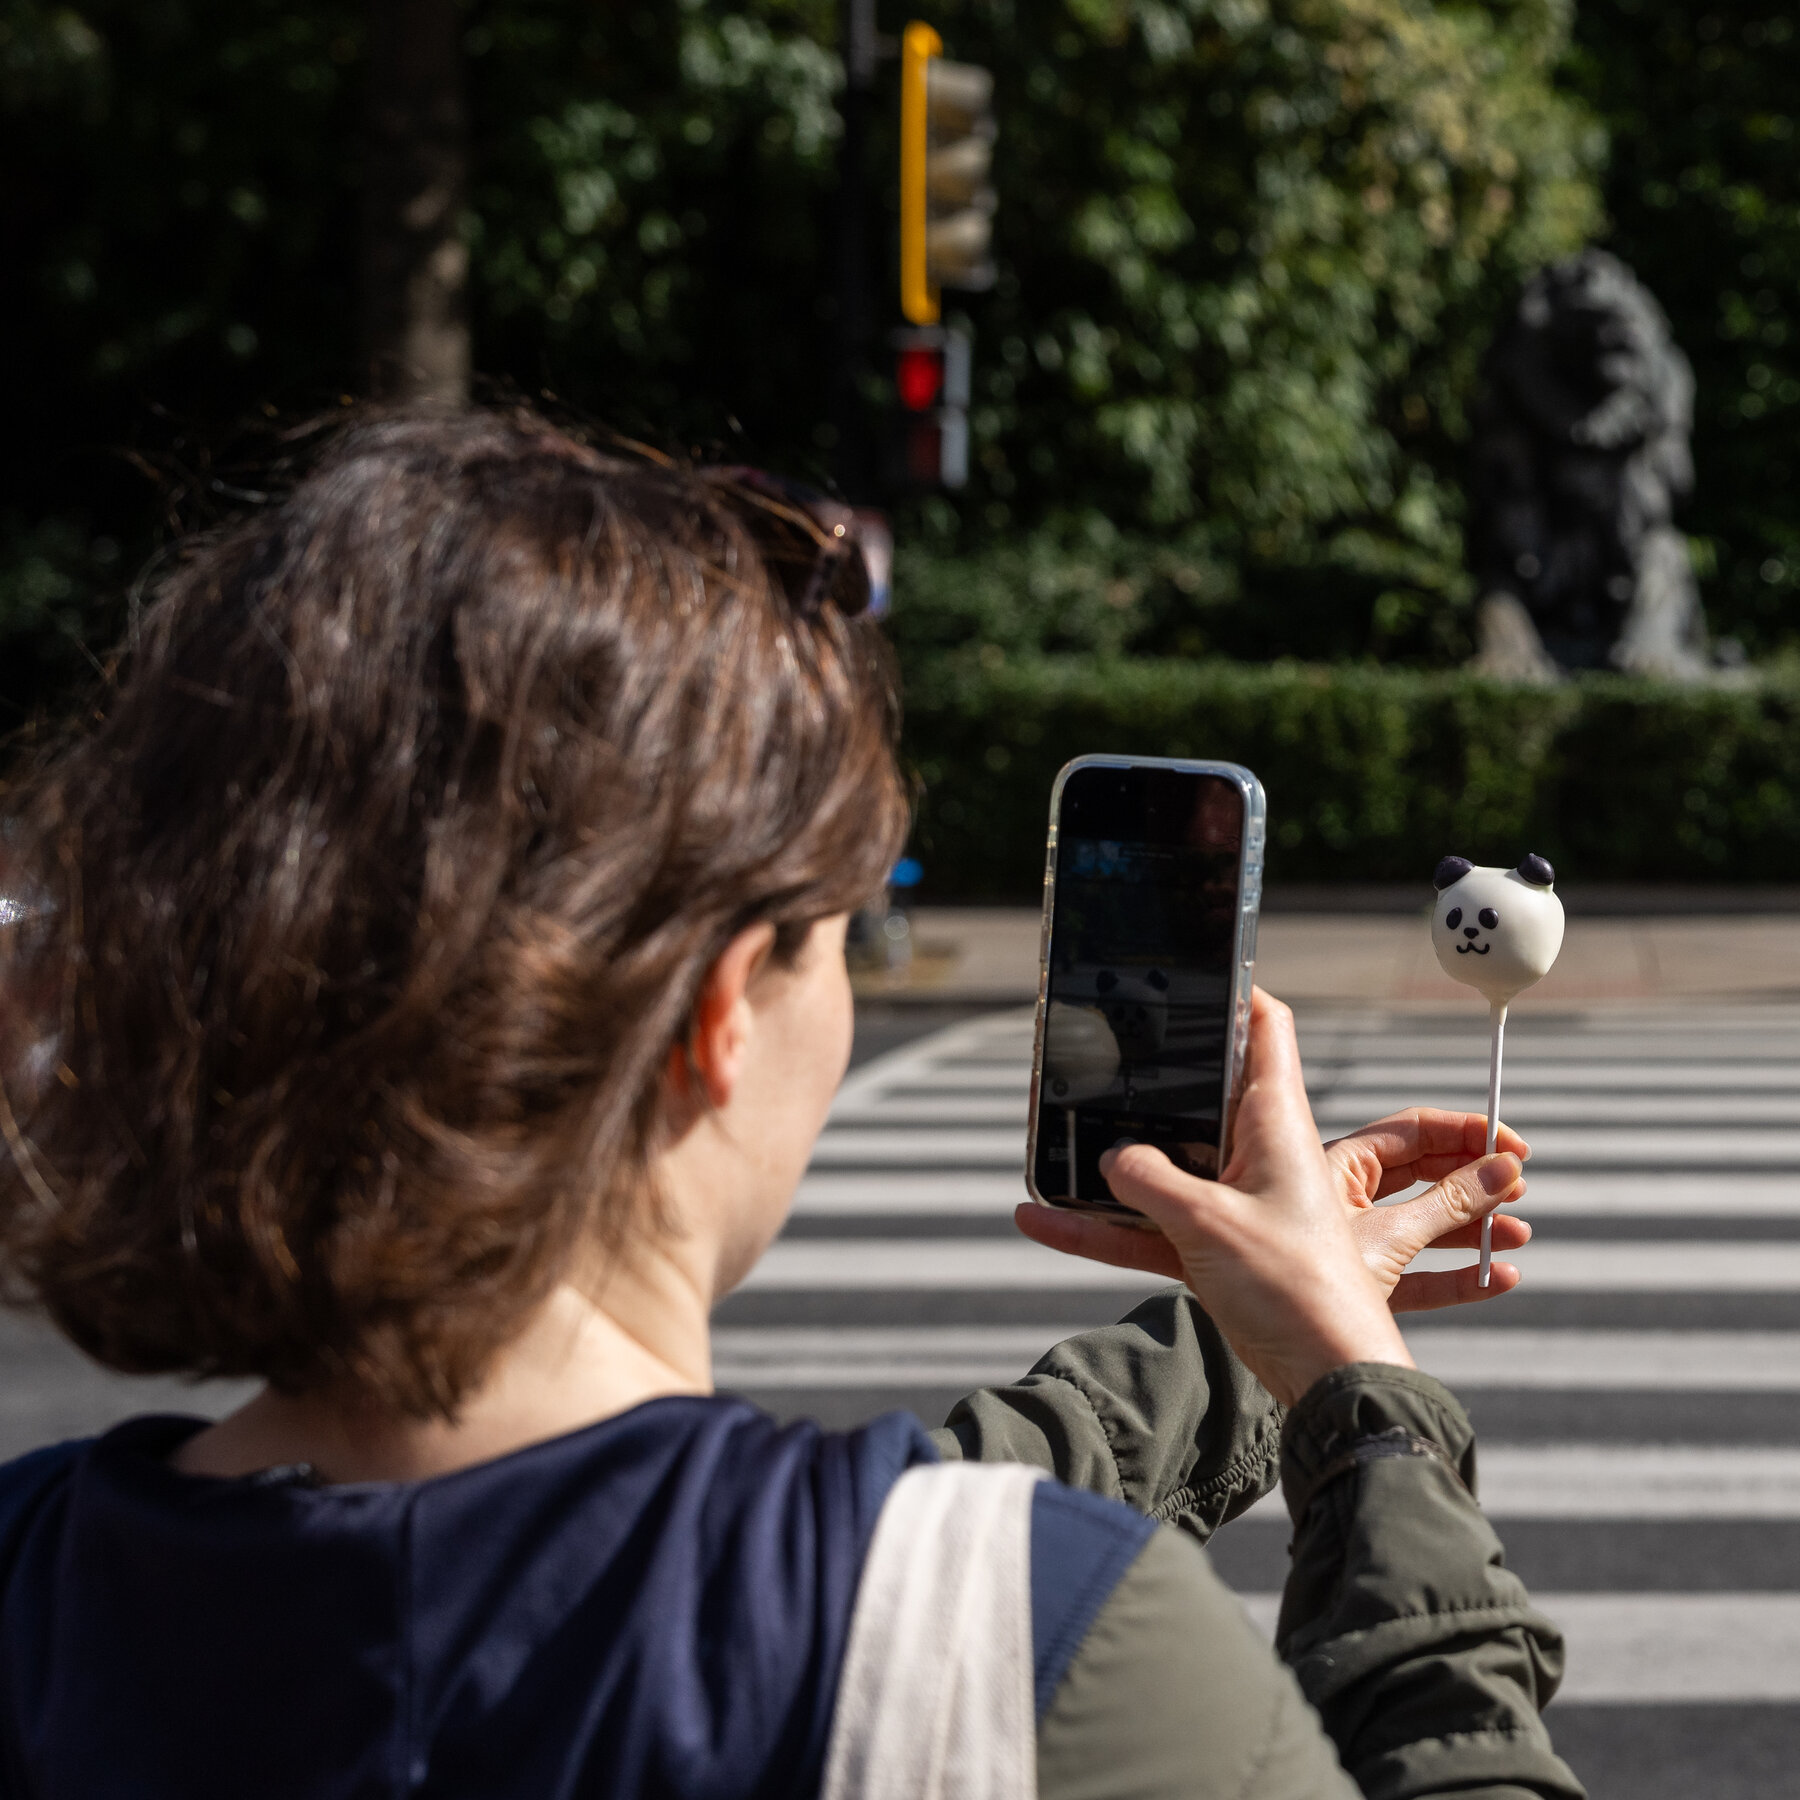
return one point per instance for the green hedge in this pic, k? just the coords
(1372, 774)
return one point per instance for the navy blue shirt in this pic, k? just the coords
(658, 1604)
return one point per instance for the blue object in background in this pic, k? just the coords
(908, 873)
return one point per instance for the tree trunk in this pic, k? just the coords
(415, 327)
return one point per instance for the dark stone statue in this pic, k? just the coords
(1581, 452)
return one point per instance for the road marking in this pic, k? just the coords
(1650, 1195)
(1470, 1358)
(862, 1263)
(1005, 1109)
(851, 1356)
(1735, 1267)
(910, 1191)
(1478, 1357)
(1568, 1147)
(1656, 1195)
(1532, 1113)
(813, 1264)
(1007, 1112)
(1526, 1074)
(1627, 1481)
(1660, 1649)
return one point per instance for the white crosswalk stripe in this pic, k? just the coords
(1469, 1358)
(1563, 1268)
(1662, 1649)
(1653, 1193)
(1646, 1146)
(1638, 1397)
(1630, 1481)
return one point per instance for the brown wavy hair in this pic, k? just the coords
(368, 914)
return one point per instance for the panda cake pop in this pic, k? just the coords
(1497, 931)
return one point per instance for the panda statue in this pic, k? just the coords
(1496, 930)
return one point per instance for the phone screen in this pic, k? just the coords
(1142, 973)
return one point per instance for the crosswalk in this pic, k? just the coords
(1637, 1398)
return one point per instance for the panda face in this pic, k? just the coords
(1496, 930)
(1137, 1009)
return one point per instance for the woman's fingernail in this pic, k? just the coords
(1499, 1173)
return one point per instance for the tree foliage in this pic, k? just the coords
(1253, 246)
(1251, 250)
(1702, 100)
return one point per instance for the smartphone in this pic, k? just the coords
(1152, 883)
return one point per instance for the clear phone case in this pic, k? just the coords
(1249, 902)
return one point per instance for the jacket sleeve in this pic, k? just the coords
(1156, 1411)
(1417, 1646)
(1420, 1662)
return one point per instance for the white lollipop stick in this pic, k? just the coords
(1497, 1013)
(1081, 1061)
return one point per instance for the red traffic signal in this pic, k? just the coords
(931, 382)
(919, 376)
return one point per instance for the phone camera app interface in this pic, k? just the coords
(1142, 968)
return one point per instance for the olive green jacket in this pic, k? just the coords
(1414, 1664)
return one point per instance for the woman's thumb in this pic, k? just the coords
(1143, 1178)
(1461, 1198)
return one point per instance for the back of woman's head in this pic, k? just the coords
(371, 911)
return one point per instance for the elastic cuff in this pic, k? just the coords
(1365, 1401)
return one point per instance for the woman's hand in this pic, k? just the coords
(1447, 1149)
(1268, 1248)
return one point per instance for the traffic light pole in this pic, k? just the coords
(852, 463)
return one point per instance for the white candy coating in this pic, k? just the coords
(1081, 1055)
(1502, 959)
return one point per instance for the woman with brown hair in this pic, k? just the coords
(428, 993)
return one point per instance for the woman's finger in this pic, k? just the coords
(1420, 1144)
(1460, 1199)
(1510, 1233)
(1274, 1122)
(1417, 1131)
(1430, 1290)
(1099, 1240)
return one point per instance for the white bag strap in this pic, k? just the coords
(935, 1697)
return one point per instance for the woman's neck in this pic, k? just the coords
(606, 1340)
(583, 1358)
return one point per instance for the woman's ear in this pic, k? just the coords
(719, 1035)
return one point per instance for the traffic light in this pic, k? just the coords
(931, 379)
(946, 146)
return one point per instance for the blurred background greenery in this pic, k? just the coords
(1251, 252)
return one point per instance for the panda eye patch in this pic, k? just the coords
(1453, 917)
(1489, 918)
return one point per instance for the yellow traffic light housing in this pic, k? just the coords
(946, 147)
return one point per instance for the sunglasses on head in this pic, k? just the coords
(823, 552)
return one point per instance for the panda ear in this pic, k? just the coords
(1158, 980)
(1450, 871)
(1105, 982)
(1537, 871)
